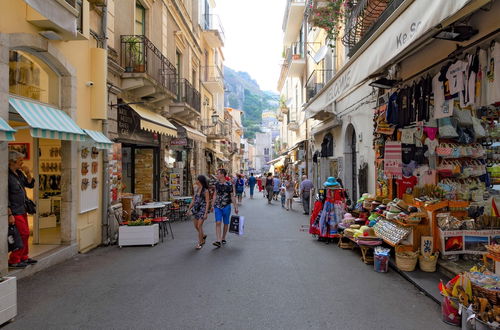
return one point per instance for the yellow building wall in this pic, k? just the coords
(77, 54)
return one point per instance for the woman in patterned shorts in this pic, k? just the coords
(199, 208)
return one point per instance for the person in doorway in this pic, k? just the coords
(240, 187)
(276, 187)
(269, 187)
(251, 183)
(306, 187)
(223, 197)
(290, 189)
(19, 178)
(199, 208)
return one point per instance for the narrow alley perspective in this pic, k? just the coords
(275, 276)
(263, 164)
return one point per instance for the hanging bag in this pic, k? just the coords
(463, 117)
(14, 240)
(444, 150)
(479, 130)
(447, 128)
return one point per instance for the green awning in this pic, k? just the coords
(101, 140)
(6, 132)
(47, 122)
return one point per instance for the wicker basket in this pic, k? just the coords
(428, 264)
(493, 296)
(406, 261)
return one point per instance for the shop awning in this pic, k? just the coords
(101, 140)
(6, 132)
(47, 122)
(277, 162)
(221, 157)
(194, 134)
(154, 122)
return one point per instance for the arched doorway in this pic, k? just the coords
(350, 156)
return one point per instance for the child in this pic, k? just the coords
(283, 195)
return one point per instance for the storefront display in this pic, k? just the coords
(89, 166)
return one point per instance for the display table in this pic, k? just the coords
(366, 253)
(138, 235)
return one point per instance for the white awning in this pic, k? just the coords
(154, 122)
(194, 134)
(419, 18)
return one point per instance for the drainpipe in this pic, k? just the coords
(105, 157)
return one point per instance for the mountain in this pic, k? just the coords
(243, 93)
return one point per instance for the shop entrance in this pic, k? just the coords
(140, 167)
(351, 166)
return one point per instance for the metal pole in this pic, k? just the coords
(105, 157)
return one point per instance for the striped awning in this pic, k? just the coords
(101, 140)
(154, 122)
(6, 132)
(47, 122)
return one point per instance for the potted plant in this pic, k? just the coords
(138, 232)
(134, 55)
(283, 107)
(330, 17)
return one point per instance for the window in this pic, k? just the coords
(178, 64)
(140, 19)
(79, 22)
(31, 78)
(193, 78)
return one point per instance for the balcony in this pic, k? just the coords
(283, 74)
(212, 31)
(148, 75)
(293, 125)
(364, 18)
(187, 104)
(60, 19)
(214, 132)
(292, 20)
(213, 79)
(316, 82)
(295, 56)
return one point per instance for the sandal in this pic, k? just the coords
(199, 246)
(223, 241)
(204, 239)
(217, 244)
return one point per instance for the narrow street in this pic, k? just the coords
(274, 277)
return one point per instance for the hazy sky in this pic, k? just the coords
(254, 38)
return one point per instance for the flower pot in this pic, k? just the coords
(138, 235)
(296, 57)
(8, 299)
(140, 68)
(129, 69)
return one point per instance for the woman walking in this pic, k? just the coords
(290, 189)
(199, 208)
(240, 187)
(269, 187)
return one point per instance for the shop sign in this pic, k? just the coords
(420, 17)
(129, 127)
(179, 142)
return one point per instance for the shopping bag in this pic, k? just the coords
(14, 238)
(237, 224)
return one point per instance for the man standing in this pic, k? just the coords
(251, 182)
(306, 187)
(19, 179)
(221, 203)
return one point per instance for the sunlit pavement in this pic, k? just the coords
(276, 276)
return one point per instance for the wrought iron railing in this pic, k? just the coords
(212, 74)
(213, 22)
(219, 130)
(363, 19)
(186, 93)
(316, 81)
(140, 55)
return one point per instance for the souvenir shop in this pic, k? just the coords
(140, 133)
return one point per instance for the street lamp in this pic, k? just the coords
(215, 120)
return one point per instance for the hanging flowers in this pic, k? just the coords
(330, 15)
